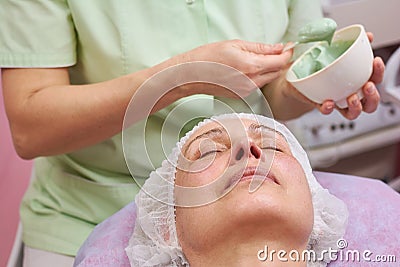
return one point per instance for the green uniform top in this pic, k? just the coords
(104, 39)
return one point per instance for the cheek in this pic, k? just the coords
(298, 199)
(296, 185)
(295, 179)
(202, 172)
(194, 226)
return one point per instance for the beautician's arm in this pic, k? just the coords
(49, 116)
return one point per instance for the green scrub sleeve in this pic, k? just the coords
(48, 41)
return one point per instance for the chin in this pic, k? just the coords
(268, 192)
(267, 203)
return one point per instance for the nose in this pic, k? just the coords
(246, 150)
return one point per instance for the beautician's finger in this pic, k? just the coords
(370, 36)
(327, 107)
(270, 63)
(378, 70)
(260, 48)
(354, 108)
(371, 97)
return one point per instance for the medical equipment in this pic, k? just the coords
(377, 16)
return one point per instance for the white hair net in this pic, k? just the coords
(154, 241)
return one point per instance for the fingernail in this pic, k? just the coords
(370, 89)
(355, 102)
(330, 106)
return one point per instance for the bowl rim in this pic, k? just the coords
(361, 27)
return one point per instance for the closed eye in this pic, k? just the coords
(207, 153)
(273, 148)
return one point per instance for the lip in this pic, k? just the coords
(254, 172)
(250, 173)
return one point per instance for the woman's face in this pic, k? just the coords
(236, 172)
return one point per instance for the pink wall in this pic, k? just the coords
(14, 178)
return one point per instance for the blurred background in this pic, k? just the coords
(14, 179)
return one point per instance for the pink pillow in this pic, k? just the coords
(373, 230)
(374, 219)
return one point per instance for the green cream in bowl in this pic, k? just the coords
(319, 57)
(335, 71)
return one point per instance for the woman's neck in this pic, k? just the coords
(248, 252)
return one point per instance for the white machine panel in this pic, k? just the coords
(378, 16)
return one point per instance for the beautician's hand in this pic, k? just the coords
(262, 63)
(371, 95)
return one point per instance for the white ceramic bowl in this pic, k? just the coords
(344, 76)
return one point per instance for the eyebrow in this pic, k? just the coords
(255, 126)
(211, 132)
(220, 130)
